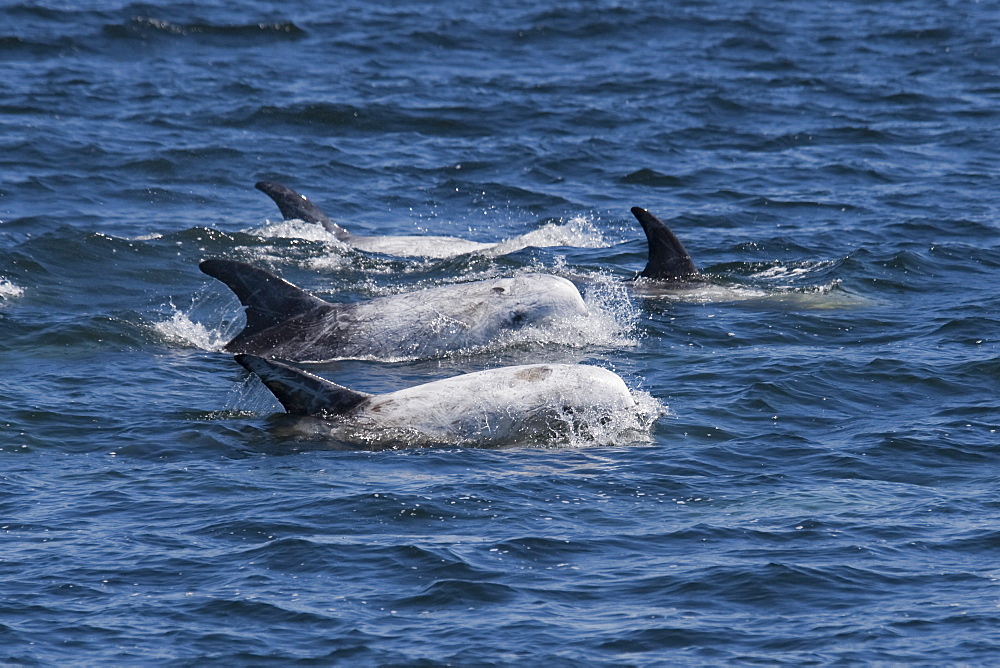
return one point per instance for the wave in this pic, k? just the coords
(144, 27)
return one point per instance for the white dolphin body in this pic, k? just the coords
(287, 322)
(294, 206)
(517, 405)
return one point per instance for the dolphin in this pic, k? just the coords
(535, 403)
(670, 273)
(282, 320)
(294, 206)
(668, 261)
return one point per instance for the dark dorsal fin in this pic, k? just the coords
(300, 392)
(294, 206)
(269, 300)
(668, 260)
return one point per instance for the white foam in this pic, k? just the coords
(782, 272)
(185, 326)
(326, 263)
(9, 291)
(270, 258)
(590, 428)
(609, 300)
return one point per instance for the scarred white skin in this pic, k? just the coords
(425, 323)
(499, 405)
(505, 406)
(453, 317)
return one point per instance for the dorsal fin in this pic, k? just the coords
(294, 206)
(300, 392)
(668, 259)
(269, 300)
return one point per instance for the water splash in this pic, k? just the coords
(784, 272)
(589, 428)
(296, 229)
(326, 263)
(612, 309)
(9, 291)
(186, 326)
(578, 232)
(180, 328)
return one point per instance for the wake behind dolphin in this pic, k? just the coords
(284, 321)
(516, 405)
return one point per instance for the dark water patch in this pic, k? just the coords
(975, 329)
(462, 594)
(938, 227)
(649, 177)
(561, 23)
(970, 541)
(147, 27)
(15, 47)
(370, 118)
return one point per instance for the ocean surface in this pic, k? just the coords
(822, 483)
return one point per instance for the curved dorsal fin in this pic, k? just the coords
(668, 259)
(300, 392)
(294, 206)
(268, 299)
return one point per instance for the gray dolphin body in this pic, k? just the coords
(507, 406)
(284, 321)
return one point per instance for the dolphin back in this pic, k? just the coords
(269, 300)
(668, 259)
(300, 392)
(294, 206)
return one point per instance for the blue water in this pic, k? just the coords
(821, 489)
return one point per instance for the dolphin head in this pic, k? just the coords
(533, 300)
